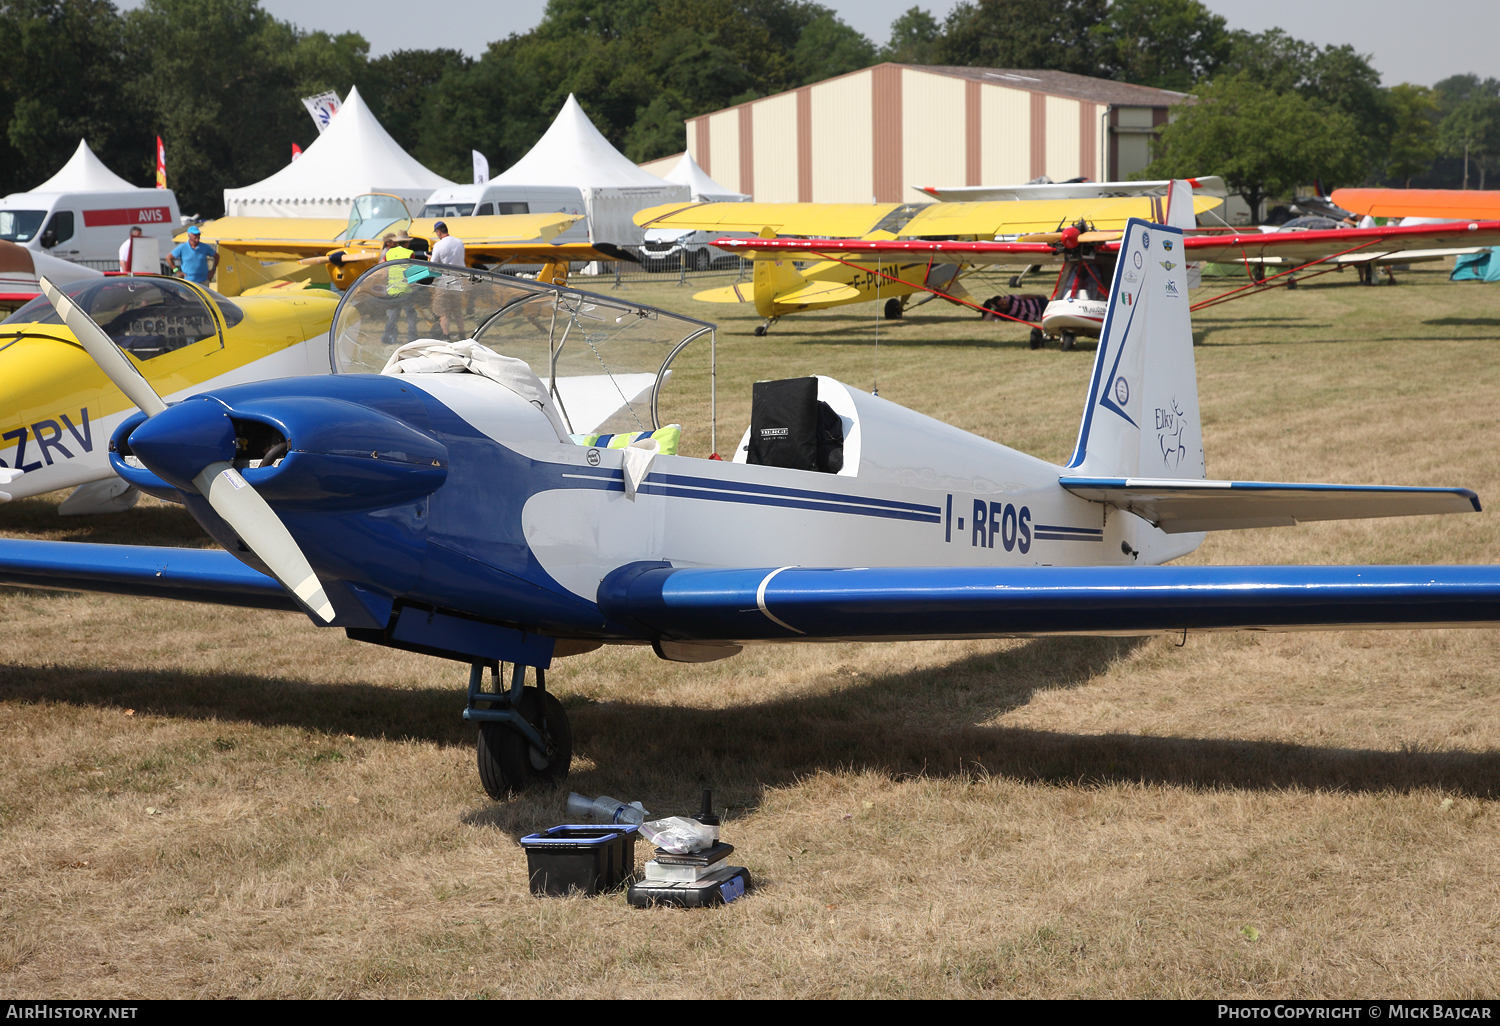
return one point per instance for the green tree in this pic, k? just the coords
(827, 47)
(914, 38)
(1169, 44)
(63, 79)
(1262, 142)
(399, 84)
(1473, 132)
(1055, 35)
(1414, 138)
(222, 80)
(1334, 76)
(638, 67)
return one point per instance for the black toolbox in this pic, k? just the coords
(585, 858)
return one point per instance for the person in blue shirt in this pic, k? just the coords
(195, 258)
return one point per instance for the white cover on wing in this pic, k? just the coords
(433, 356)
(574, 152)
(354, 156)
(702, 188)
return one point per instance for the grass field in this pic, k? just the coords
(207, 802)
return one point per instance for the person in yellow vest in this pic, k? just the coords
(397, 246)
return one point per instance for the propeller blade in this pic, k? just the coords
(116, 366)
(227, 492)
(259, 527)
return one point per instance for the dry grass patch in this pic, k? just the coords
(212, 802)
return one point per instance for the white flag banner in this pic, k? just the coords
(481, 168)
(322, 108)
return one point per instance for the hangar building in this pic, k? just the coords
(885, 131)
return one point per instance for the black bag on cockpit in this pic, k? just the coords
(790, 428)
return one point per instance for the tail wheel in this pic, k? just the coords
(508, 762)
(893, 309)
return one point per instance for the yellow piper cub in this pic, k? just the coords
(58, 410)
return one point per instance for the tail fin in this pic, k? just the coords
(773, 276)
(1180, 214)
(1141, 419)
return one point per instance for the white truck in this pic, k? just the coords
(83, 213)
(488, 198)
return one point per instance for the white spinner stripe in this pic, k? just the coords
(760, 600)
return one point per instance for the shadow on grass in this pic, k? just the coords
(1464, 322)
(155, 524)
(920, 722)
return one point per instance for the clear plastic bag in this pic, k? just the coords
(678, 834)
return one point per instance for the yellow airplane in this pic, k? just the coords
(58, 410)
(778, 287)
(281, 253)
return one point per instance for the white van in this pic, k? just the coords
(87, 227)
(488, 198)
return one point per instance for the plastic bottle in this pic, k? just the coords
(707, 817)
(604, 809)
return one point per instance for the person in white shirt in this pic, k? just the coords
(135, 233)
(448, 304)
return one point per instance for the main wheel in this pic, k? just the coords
(1037, 338)
(893, 309)
(1068, 338)
(509, 762)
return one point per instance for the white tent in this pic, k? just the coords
(704, 189)
(573, 152)
(84, 172)
(354, 156)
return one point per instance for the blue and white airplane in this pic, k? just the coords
(445, 506)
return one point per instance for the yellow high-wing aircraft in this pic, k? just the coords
(58, 410)
(778, 288)
(278, 253)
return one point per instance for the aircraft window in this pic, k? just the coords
(59, 229)
(145, 316)
(448, 210)
(485, 209)
(20, 225)
(514, 208)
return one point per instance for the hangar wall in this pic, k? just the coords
(885, 132)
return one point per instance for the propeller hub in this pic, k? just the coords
(1070, 237)
(178, 443)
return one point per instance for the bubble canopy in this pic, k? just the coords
(605, 360)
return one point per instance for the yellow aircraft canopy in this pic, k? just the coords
(832, 220)
(1023, 217)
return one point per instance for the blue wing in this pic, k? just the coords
(866, 604)
(198, 575)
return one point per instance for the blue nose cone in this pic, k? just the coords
(179, 442)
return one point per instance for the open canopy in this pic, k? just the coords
(573, 152)
(354, 156)
(703, 188)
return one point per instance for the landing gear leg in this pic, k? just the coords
(1037, 338)
(1068, 338)
(525, 740)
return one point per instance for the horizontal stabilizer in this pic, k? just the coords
(197, 575)
(1179, 507)
(911, 603)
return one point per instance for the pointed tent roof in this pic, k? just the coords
(85, 172)
(574, 152)
(354, 156)
(704, 189)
